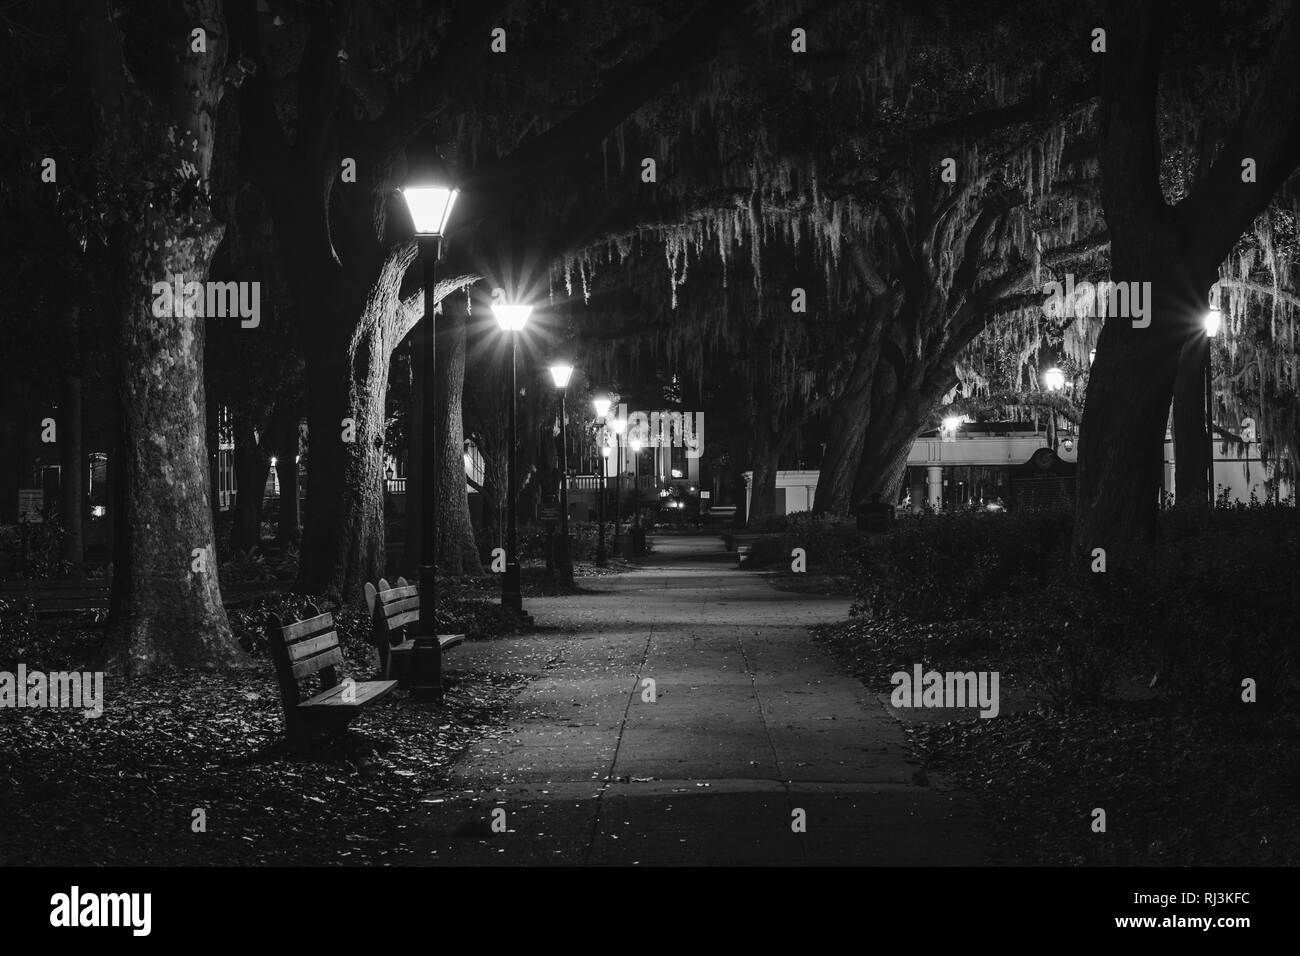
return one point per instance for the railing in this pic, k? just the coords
(397, 486)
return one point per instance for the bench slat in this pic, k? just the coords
(313, 645)
(399, 594)
(299, 630)
(445, 641)
(330, 658)
(367, 693)
(403, 619)
(400, 605)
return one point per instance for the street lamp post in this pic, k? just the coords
(602, 556)
(636, 445)
(512, 319)
(1213, 322)
(430, 204)
(619, 425)
(602, 411)
(560, 375)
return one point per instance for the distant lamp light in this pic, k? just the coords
(274, 461)
(512, 318)
(636, 445)
(606, 451)
(677, 473)
(560, 375)
(952, 423)
(602, 406)
(430, 208)
(1213, 322)
(619, 425)
(1054, 379)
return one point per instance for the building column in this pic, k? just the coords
(934, 479)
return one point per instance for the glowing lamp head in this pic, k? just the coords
(430, 208)
(636, 445)
(606, 451)
(619, 425)
(560, 375)
(1213, 322)
(601, 405)
(1054, 379)
(512, 318)
(952, 423)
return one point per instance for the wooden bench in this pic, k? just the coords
(63, 603)
(310, 648)
(394, 616)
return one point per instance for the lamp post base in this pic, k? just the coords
(564, 558)
(424, 679)
(511, 599)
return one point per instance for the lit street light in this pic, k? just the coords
(512, 318)
(560, 375)
(429, 199)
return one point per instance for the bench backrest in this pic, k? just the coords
(392, 608)
(302, 649)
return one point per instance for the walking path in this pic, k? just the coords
(751, 723)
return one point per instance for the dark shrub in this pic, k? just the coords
(830, 542)
(950, 566)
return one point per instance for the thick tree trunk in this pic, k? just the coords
(171, 614)
(1191, 450)
(71, 469)
(888, 442)
(343, 537)
(167, 607)
(1127, 409)
(762, 501)
(284, 444)
(457, 551)
(288, 527)
(845, 440)
(251, 469)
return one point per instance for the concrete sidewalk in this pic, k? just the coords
(752, 728)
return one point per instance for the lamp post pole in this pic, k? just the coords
(636, 481)
(601, 404)
(428, 626)
(1213, 320)
(602, 556)
(618, 494)
(565, 558)
(512, 318)
(510, 596)
(430, 204)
